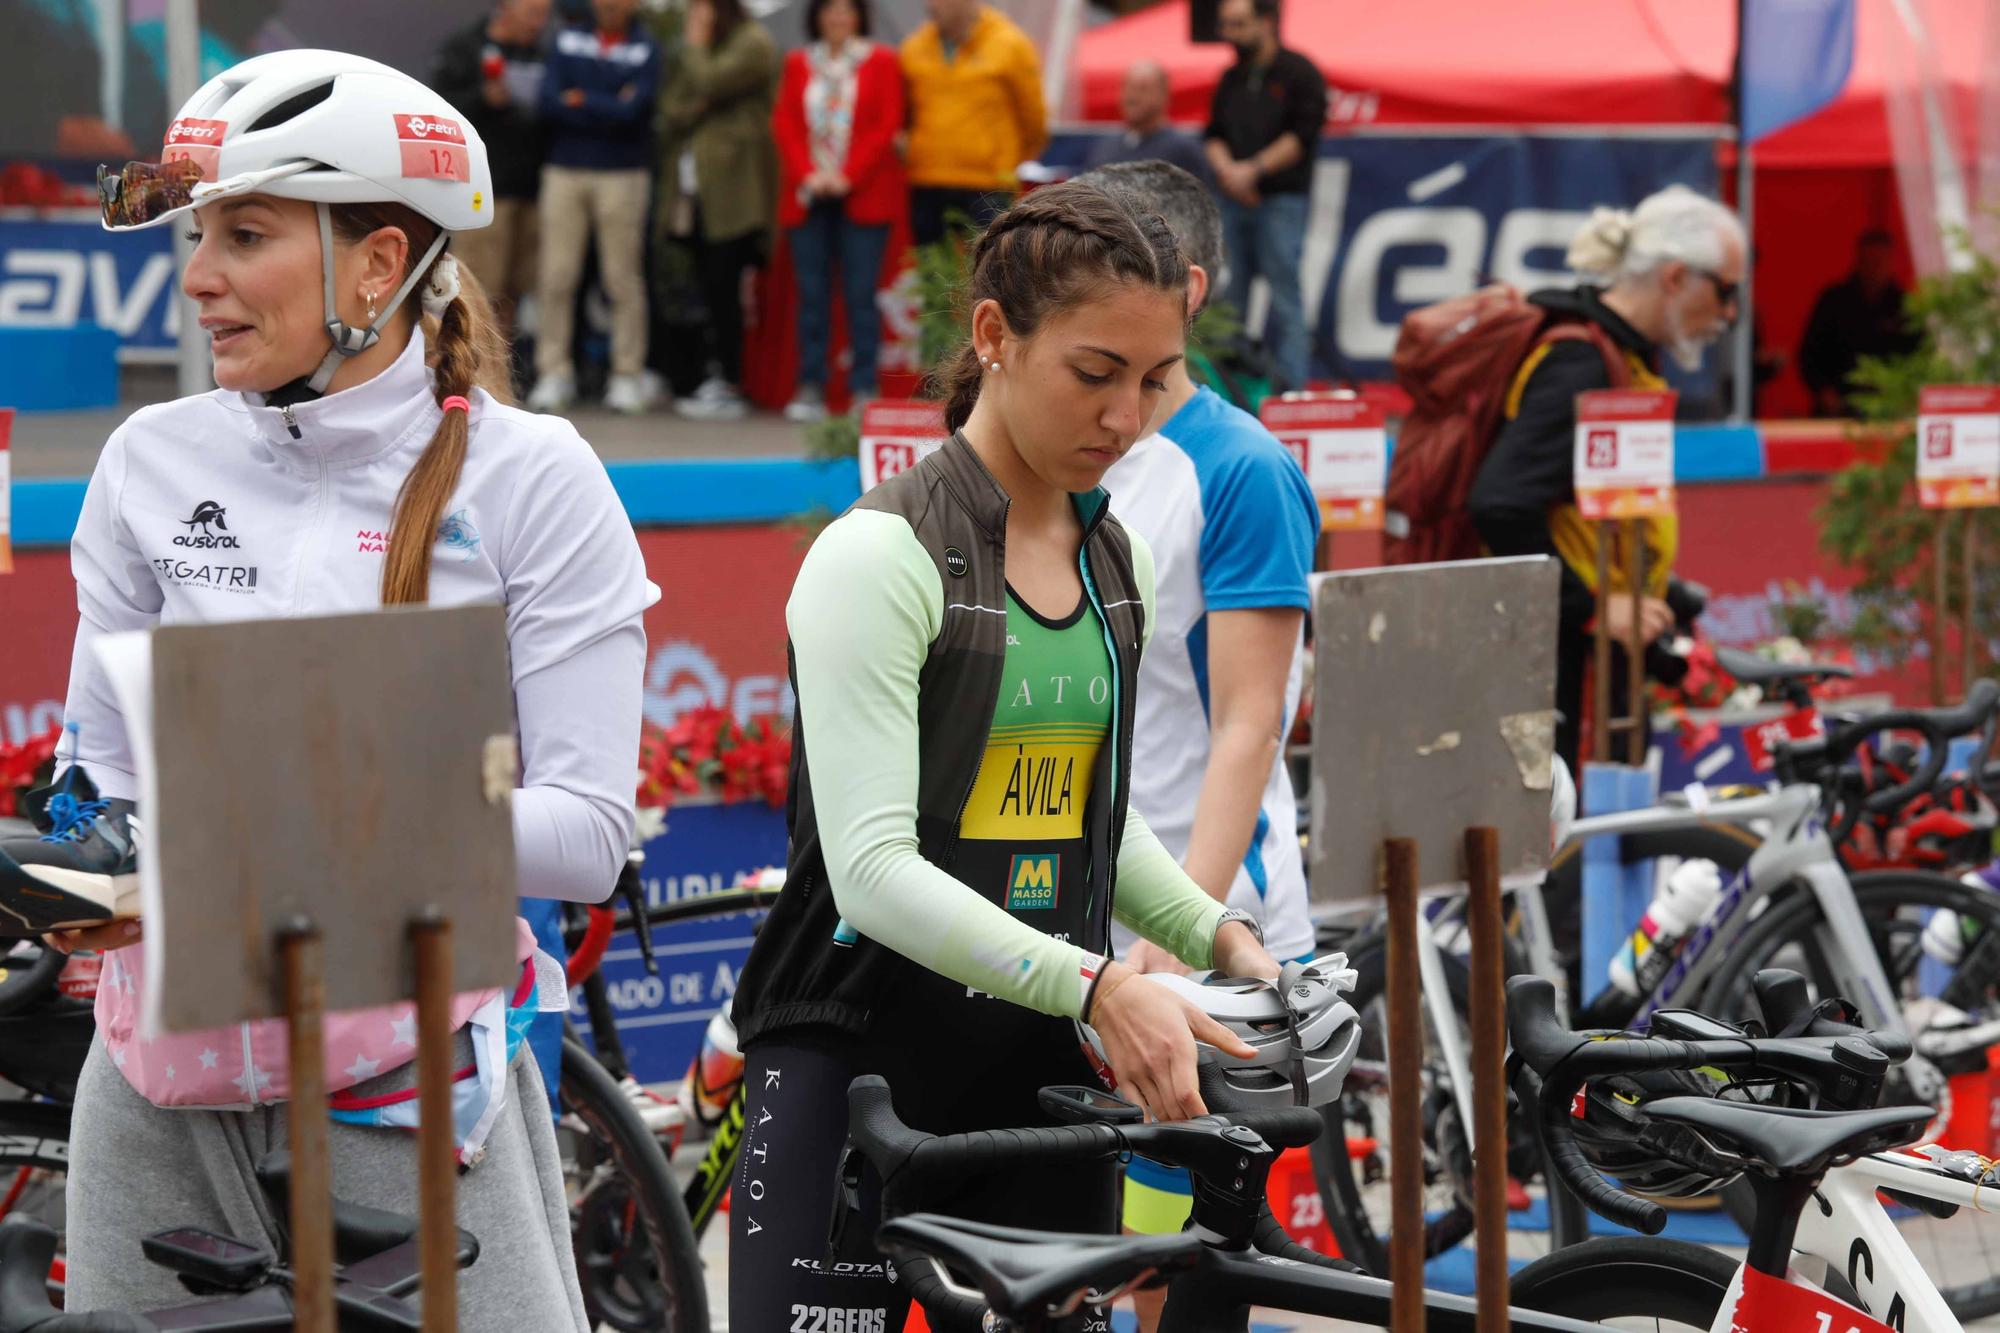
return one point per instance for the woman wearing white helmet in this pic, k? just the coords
(359, 452)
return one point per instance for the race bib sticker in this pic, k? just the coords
(895, 433)
(1761, 739)
(1624, 459)
(191, 139)
(1958, 446)
(433, 148)
(1765, 1304)
(1340, 443)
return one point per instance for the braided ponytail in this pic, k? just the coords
(1055, 249)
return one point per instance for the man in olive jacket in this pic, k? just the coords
(718, 179)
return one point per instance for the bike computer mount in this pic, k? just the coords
(208, 1262)
(1077, 1104)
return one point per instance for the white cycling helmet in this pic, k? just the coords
(324, 126)
(1303, 1034)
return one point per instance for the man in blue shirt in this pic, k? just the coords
(1233, 527)
(598, 94)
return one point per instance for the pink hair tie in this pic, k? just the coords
(457, 401)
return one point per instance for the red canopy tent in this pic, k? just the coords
(1624, 65)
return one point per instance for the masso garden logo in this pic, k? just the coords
(1031, 882)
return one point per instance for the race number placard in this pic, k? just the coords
(1343, 446)
(1958, 445)
(895, 433)
(1624, 462)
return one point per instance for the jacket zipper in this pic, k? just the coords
(291, 422)
(1117, 711)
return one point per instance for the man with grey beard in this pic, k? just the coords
(1661, 280)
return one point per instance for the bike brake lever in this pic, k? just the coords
(634, 894)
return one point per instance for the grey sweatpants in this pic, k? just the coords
(136, 1168)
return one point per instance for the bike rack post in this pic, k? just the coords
(1434, 685)
(366, 761)
(304, 971)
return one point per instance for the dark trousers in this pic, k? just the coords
(720, 266)
(826, 239)
(931, 208)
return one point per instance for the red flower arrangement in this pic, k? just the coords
(708, 751)
(21, 767)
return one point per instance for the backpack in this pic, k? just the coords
(1458, 360)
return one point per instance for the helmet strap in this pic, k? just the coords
(348, 340)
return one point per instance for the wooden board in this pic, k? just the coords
(1433, 712)
(333, 770)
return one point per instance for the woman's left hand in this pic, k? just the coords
(1238, 954)
(699, 28)
(95, 939)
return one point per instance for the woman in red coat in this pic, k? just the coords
(840, 185)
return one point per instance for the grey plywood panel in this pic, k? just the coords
(350, 770)
(1433, 699)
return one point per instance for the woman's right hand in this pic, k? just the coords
(95, 939)
(1149, 1035)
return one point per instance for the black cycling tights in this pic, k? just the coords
(795, 1124)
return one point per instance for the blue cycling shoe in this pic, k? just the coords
(83, 869)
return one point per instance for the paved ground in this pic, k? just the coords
(65, 444)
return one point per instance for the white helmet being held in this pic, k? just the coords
(322, 126)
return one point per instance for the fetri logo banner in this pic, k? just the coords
(1031, 882)
(433, 148)
(191, 139)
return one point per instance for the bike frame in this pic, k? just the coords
(1797, 849)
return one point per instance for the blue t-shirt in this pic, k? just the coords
(1233, 526)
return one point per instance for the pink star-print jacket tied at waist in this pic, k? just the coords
(235, 1069)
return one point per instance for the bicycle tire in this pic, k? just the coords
(1883, 897)
(1342, 1179)
(1628, 1277)
(620, 1187)
(34, 1169)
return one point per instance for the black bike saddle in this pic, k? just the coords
(1790, 1139)
(359, 1232)
(1751, 669)
(1022, 1273)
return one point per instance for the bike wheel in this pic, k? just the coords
(1964, 1250)
(635, 1256)
(1628, 1282)
(34, 1169)
(1354, 1183)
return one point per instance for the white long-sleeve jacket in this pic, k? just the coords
(217, 508)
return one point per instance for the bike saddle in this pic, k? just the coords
(26, 1248)
(1022, 1273)
(359, 1232)
(1791, 1139)
(1751, 669)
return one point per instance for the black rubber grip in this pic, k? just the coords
(1284, 1126)
(1534, 1031)
(1597, 1193)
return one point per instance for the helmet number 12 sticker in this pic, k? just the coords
(433, 148)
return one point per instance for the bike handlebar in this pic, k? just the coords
(1847, 1069)
(1938, 727)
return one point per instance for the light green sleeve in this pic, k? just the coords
(867, 606)
(1155, 898)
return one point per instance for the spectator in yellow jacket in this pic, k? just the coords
(976, 114)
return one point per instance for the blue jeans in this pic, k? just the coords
(1267, 242)
(825, 238)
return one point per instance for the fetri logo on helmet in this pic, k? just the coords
(420, 127)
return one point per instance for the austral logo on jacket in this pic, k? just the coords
(214, 534)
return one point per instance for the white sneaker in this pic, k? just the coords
(628, 394)
(552, 393)
(807, 406)
(715, 400)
